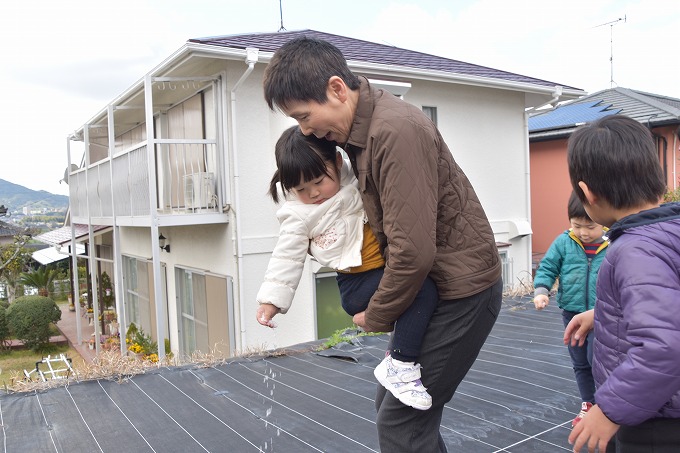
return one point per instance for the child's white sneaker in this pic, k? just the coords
(402, 379)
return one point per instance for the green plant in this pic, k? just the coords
(4, 328)
(345, 336)
(131, 332)
(672, 195)
(29, 318)
(40, 278)
(140, 342)
(107, 290)
(13, 259)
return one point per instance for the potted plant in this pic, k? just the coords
(107, 291)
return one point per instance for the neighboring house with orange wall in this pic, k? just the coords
(548, 135)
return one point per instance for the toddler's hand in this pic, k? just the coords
(541, 301)
(265, 313)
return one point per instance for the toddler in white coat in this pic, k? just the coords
(323, 215)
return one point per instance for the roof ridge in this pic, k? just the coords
(645, 98)
(362, 50)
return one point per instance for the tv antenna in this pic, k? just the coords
(611, 46)
(282, 28)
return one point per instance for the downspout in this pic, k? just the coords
(527, 182)
(659, 139)
(557, 94)
(675, 147)
(251, 59)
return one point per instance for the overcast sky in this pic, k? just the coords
(63, 61)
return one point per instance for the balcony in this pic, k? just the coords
(187, 181)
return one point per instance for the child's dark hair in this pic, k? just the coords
(575, 208)
(617, 159)
(300, 158)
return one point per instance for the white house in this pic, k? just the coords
(183, 158)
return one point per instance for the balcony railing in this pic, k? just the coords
(188, 181)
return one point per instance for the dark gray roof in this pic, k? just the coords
(651, 109)
(7, 229)
(520, 395)
(370, 52)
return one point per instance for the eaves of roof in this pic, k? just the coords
(650, 109)
(62, 235)
(366, 55)
(362, 56)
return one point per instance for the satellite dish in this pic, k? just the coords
(67, 171)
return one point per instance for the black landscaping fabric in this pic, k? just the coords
(520, 396)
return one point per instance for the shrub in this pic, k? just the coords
(4, 328)
(672, 195)
(140, 342)
(29, 318)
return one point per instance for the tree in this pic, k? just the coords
(4, 327)
(13, 260)
(40, 278)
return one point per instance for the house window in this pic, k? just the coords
(431, 113)
(192, 306)
(136, 288)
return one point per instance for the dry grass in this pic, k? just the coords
(111, 365)
(524, 286)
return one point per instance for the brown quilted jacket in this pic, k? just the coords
(420, 205)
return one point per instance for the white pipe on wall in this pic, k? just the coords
(251, 59)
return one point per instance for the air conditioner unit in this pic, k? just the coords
(199, 190)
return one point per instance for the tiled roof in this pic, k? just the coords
(63, 234)
(8, 230)
(652, 109)
(370, 52)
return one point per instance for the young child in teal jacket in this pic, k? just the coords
(574, 257)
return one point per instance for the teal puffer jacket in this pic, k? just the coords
(566, 258)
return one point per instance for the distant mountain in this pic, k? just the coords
(15, 197)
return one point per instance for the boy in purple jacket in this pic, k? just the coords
(614, 169)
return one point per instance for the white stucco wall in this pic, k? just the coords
(484, 129)
(257, 130)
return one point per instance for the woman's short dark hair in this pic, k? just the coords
(617, 158)
(300, 158)
(575, 208)
(300, 70)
